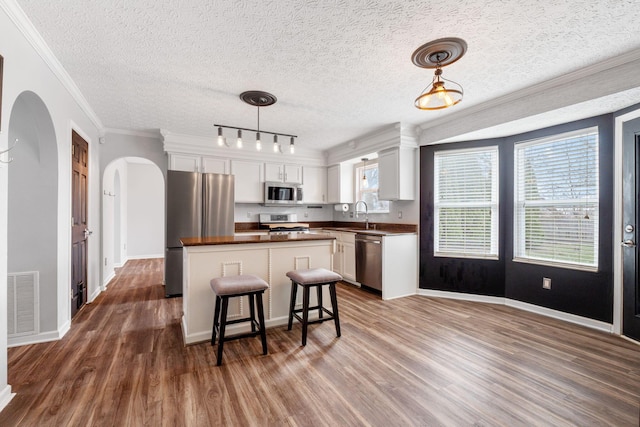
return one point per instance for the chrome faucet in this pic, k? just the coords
(366, 213)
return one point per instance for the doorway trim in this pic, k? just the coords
(617, 219)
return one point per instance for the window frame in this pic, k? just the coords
(493, 204)
(520, 204)
(358, 168)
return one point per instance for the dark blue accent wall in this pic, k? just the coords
(587, 294)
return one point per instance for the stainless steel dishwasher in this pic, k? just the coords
(369, 261)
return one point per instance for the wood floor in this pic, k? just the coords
(413, 361)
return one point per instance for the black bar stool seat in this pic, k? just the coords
(238, 286)
(308, 278)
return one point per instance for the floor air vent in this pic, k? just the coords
(22, 304)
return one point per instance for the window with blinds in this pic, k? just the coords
(557, 200)
(466, 203)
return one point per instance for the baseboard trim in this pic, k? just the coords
(461, 296)
(544, 311)
(106, 281)
(561, 315)
(39, 338)
(5, 397)
(94, 295)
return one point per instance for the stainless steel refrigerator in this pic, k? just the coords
(197, 205)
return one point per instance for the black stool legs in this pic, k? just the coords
(333, 315)
(220, 321)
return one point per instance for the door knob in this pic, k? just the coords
(87, 233)
(628, 243)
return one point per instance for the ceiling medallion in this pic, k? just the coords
(437, 54)
(258, 98)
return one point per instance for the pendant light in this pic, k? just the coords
(364, 172)
(292, 147)
(258, 99)
(220, 138)
(440, 93)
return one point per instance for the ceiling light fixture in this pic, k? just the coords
(364, 171)
(258, 99)
(438, 54)
(221, 139)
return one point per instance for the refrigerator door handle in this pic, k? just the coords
(205, 207)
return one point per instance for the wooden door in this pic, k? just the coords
(631, 221)
(79, 230)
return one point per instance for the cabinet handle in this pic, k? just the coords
(285, 176)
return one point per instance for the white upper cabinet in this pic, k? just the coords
(314, 189)
(396, 168)
(195, 163)
(184, 162)
(340, 183)
(248, 182)
(215, 165)
(278, 172)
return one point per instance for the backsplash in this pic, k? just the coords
(249, 212)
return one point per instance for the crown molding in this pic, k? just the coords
(206, 146)
(24, 25)
(601, 79)
(393, 135)
(143, 134)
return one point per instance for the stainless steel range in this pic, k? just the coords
(283, 223)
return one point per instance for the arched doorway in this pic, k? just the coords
(32, 237)
(132, 213)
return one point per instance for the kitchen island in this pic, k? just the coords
(269, 257)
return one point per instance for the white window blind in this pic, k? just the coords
(466, 203)
(557, 200)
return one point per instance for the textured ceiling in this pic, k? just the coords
(339, 68)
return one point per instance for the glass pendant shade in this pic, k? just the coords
(220, 138)
(437, 96)
(292, 147)
(239, 141)
(258, 142)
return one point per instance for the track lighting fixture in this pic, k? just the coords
(258, 99)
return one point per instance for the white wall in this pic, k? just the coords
(145, 211)
(28, 69)
(32, 203)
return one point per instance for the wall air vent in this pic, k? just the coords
(23, 304)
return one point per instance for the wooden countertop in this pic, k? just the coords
(271, 238)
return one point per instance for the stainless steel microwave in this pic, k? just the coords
(278, 193)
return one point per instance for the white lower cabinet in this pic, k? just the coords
(344, 259)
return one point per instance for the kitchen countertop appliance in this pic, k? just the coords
(369, 261)
(283, 223)
(197, 205)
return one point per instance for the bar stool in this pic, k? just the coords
(238, 286)
(313, 277)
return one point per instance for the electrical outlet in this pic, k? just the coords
(546, 283)
(105, 261)
(306, 214)
(400, 214)
(248, 214)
